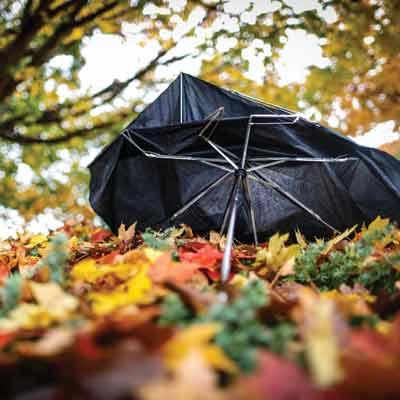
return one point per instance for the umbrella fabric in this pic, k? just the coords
(126, 186)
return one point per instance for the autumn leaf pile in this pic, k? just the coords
(143, 315)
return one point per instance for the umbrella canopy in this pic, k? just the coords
(198, 149)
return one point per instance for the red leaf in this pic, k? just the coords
(109, 258)
(371, 362)
(100, 235)
(5, 339)
(215, 274)
(165, 269)
(207, 256)
(4, 271)
(281, 379)
(87, 348)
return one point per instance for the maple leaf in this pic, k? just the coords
(136, 290)
(126, 235)
(166, 269)
(207, 256)
(89, 271)
(337, 239)
(100, 235)
(277, 253)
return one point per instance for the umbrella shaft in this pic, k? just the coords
(226, 261)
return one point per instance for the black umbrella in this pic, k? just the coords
(215, 159)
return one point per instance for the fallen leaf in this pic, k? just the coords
(337, 239)
(193, 379)
(207, 256)
(126, 235)
(54, 342)
(321, 337)
(100, 235)
(36, 241)
(197, 337)
(52, 298)
(136, 290)
(165, 269)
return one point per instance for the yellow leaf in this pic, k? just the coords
(109, 26)
(377, 224)
(276, 254)
(197, 338)
(52, 343)
(88, 271)
(337, 239)
(193, 379)
(152, 254)
(75, 35)
(194, 336)
(300, 239)
(73, 243)
(216, 358)
(28, 316)
(36, 241)
(134, 291)
(321, 339)
(51, 297)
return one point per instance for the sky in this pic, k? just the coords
(110, 57)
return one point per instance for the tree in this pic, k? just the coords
(41, 127)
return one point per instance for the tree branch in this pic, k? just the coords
(15, 137)
(94, 15)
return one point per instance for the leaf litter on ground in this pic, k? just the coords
(143, 315)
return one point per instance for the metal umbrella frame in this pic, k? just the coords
(243, 169)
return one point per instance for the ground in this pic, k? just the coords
(86, 314)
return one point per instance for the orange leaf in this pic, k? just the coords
(5, 338)
(206, 256)
(100, 235)
(165, 269)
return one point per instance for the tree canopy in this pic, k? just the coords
(47, 116)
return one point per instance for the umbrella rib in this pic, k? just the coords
(295, 159)
(149, 154)
(200, 195)
(213, 117)
(219, 151)
(221, 167)
(247, 195)
(269, 183)
(228, 152)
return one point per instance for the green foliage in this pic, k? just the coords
(242, 331)
(56, 259)
(350, 266)
(174, 312)
(157, 240)
(10, 293)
